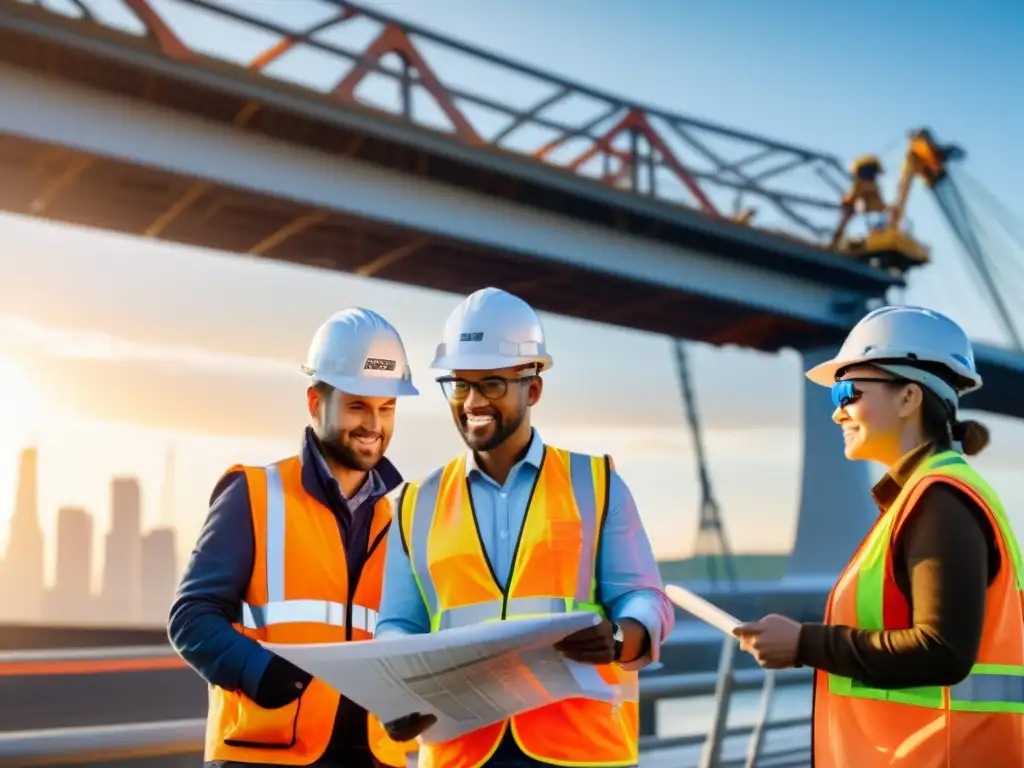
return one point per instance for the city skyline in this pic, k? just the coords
(132, 582)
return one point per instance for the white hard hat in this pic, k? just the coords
(489, 330)
(359, 352)
(897, 337)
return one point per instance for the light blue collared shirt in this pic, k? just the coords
(627, 571)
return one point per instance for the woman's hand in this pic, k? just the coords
(773, 641)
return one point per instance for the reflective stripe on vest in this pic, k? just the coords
(988, 687)
(582, 477)
(307, 611)
(277, 610)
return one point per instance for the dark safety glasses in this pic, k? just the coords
(493, 387)
(844, 392)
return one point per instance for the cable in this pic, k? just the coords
(994, 266)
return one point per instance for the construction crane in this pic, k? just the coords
(712, 543)
(889, 245)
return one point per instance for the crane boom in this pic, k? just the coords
(887, 242)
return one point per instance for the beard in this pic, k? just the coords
(491, 436)
(341, 448)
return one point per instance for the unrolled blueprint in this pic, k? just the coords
(468, 677)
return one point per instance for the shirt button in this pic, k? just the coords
(504, 534)
(503, 494)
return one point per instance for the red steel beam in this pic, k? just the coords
(635, 120)
(169, 43)
(393, 39)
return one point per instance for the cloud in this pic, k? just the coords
(18, 334)
(224, 316)
(166, 385)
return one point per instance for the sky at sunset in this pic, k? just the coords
(113, 349)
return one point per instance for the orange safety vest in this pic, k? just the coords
(299, 593)
(977, 723)
(554, 571)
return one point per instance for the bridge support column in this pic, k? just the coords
(836, 508)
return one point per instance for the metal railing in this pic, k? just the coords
(723, 684)
(101, 744)
(108, 743)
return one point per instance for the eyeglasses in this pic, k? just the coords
(492, 388)
(844, 393)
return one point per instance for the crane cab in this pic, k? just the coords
(889, 248)
(887, 244)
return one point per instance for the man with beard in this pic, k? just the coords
(515, 527)
(293, 552)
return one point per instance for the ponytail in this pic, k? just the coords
(972, 435)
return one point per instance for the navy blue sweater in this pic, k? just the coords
(215, 580)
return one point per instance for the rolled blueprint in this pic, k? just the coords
(702, 609)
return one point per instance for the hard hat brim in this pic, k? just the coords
(487, 362)
(370, 387)
(824, 374)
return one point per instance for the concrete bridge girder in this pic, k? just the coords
(78, 117)
(836, 509)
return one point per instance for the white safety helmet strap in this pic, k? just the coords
(928, 380)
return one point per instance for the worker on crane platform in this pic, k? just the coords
(920, 659)
(293, 552)
(540, 531)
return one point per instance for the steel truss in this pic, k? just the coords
(379, 61)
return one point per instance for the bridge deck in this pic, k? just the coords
(220, 91)
(84, 188)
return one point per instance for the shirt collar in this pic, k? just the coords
(888, 488)
(372, 486)
(380, 481)
(534, 456)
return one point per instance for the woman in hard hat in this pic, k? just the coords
(920, 658)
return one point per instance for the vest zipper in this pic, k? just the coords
(353, 587)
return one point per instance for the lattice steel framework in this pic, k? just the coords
(358, 56)
(712, 542)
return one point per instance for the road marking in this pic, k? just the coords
(88, 666)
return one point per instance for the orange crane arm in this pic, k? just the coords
(926, 159)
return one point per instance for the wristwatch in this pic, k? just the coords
(617, 637)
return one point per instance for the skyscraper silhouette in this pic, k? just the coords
(159, 574)
(122, 559)
(71, 600)
(23, 564)
(167, 497)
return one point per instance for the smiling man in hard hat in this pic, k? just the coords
(515, 527)
(293, 552)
